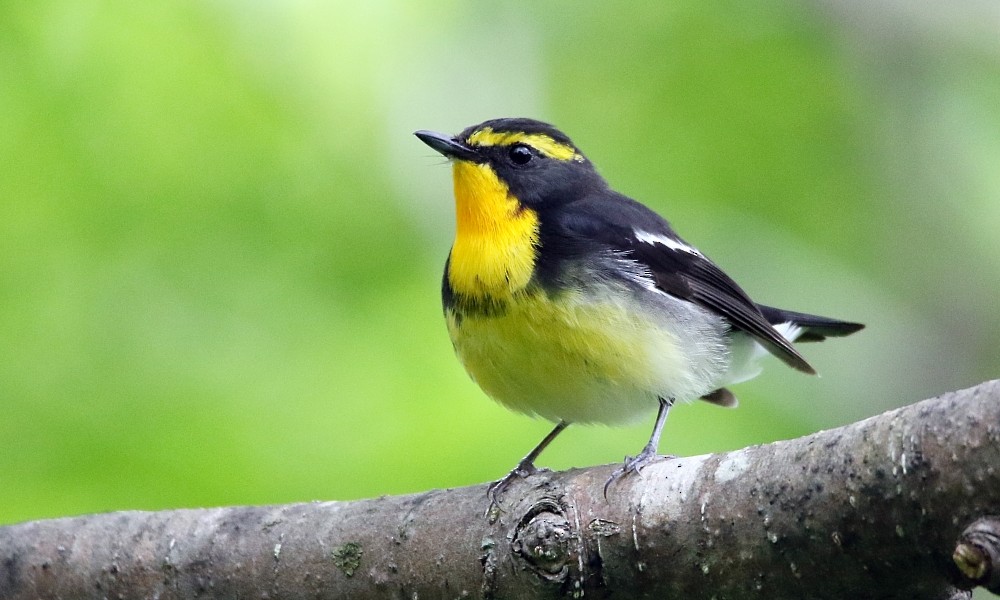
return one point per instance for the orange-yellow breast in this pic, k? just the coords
(495, 237)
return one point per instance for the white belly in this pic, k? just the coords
(590, 358)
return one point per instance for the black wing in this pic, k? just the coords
(617, 222)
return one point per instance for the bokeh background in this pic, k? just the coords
(221, 246)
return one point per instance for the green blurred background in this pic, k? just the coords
(220, 245)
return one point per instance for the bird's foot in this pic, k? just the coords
(633, 464)
(524, 469)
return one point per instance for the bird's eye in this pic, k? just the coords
(520, 154)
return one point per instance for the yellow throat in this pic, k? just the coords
(495, 236)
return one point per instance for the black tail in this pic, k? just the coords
(814, 328)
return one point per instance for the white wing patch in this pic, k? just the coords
(669, 242)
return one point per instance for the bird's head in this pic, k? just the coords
(508, 173)
(528, 160)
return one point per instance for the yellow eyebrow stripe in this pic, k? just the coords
(539, 141)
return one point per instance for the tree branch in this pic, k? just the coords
(902, 505)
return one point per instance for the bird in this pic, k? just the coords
(567, 300)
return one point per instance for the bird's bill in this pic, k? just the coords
(447, 145)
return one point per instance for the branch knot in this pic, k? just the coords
(977, 554)
(543, 539)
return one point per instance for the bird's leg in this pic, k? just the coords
(524, 468)
(634, 464)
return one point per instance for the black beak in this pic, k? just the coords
(447, 145)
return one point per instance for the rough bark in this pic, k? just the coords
(902, 505)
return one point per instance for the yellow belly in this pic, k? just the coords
(577, 359)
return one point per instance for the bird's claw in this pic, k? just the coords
(633, 464)
(523, 470)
